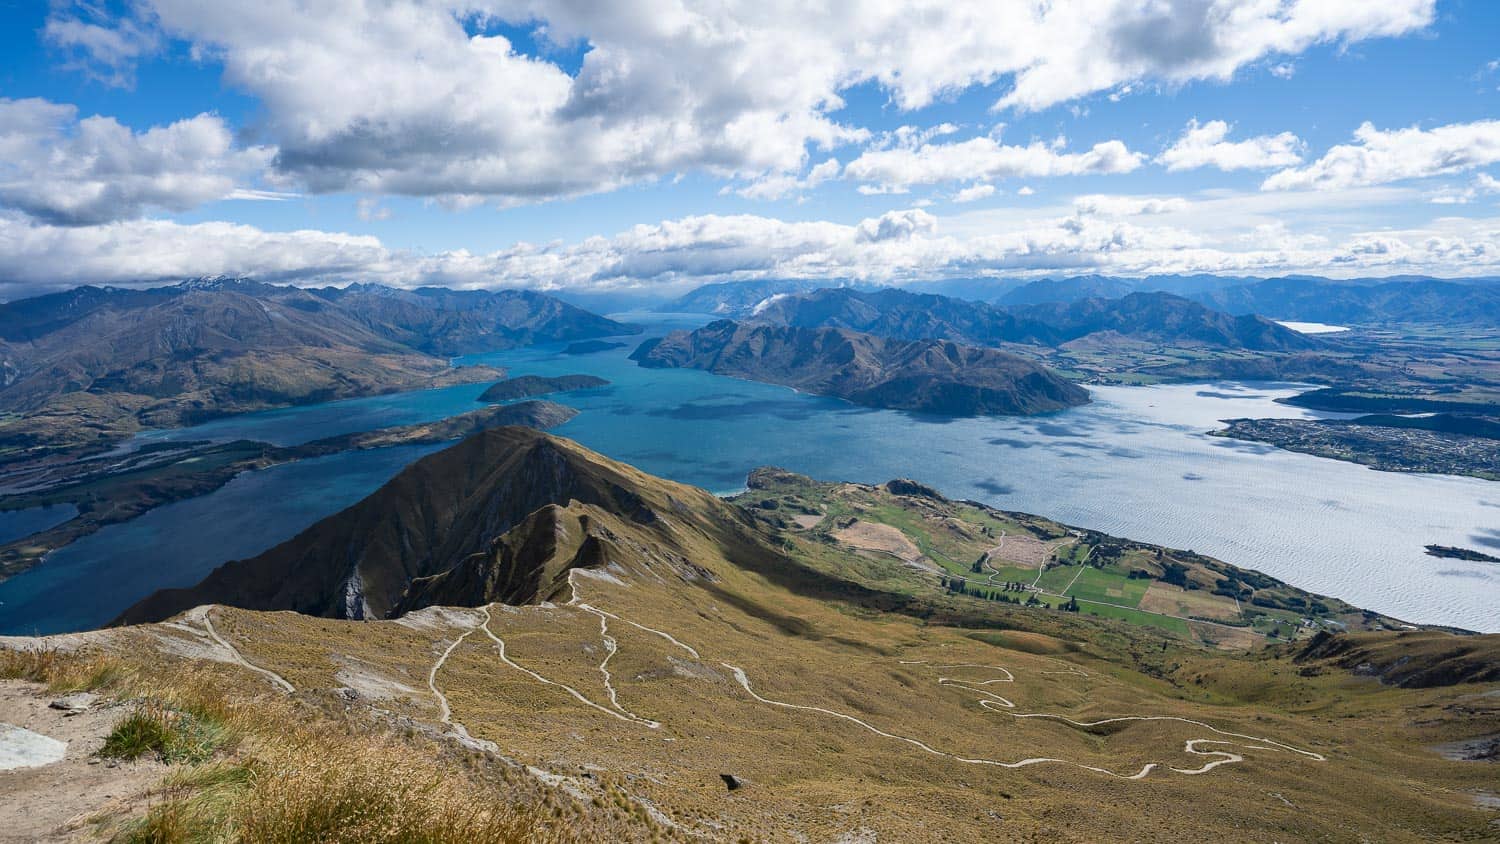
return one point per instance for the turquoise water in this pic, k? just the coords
(1136, 462)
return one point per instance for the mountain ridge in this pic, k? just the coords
(931, 376)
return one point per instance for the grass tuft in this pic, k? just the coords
(62, 672)
(168, 733)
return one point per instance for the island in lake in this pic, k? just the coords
(527, 386)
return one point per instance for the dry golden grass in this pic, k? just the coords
(248, 765)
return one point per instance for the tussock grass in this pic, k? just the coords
(63, 672)
(267, 769)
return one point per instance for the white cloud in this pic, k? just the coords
(897, 225)
(974, 193)
(1483, 183)
(36, 255)
(1026, 190)
(369, 209)
(779, 186)
(1128, 206)
(58, 168)
(898, 247)
(985, 158)
(1204, 145)
(1379, 156)
(420, 97)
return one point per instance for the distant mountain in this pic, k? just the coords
(86, 367)
(501, 516)
(1164, 318)
(447, 322)
(931, 376)
(1113, 287)
(1363, 302)
(904, 315)
(1157, 317)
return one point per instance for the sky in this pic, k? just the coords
(655, 145)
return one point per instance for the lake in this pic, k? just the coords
(1136, 462)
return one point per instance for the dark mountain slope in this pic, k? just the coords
(1165, 318)
(1156, 317)
(510, 509)
(903, 315)
(934, 376)
(447, 322)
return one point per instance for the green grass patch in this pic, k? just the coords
(1056, 579)
(1108, 586)
(167, 733)
(1147, 619)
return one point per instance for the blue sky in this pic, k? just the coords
(661, 144)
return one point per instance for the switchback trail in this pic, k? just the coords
(239, 658)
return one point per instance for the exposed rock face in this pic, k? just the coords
(932, 376)
(501, 516)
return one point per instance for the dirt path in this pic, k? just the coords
(610, 648)
(445, 711)
(55, 802)
(577, 695)
(205, 617)
(995, 703)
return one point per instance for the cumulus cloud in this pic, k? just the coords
(427, 98)
(58, 168)
(1128, 206)
(897, 225)
(1205, 145)
(973, 193)
(1382, 156)
(898, 247)
(985, 158)
(1483, 184)
(779, 186)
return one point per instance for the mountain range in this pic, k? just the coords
(1154, 317)
(931, 376)
(87, 367)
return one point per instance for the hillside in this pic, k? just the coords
(674, 664)
(1364, 302)
(1160, 318)
(445, 322)
(930, 376)
(903, 315)
(1165, 318)
(87, 367)
(108, 492)
(433, 517)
